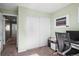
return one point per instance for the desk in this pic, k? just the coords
(52, 44)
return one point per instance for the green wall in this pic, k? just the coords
(15, 12)
(72, 11)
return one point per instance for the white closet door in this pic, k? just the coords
(44, 30)
(38, 31)
(32, 32)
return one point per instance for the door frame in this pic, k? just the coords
(17, 26)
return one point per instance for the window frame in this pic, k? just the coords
(67, 21)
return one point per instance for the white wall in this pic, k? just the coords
(1, 33)
(33, 29)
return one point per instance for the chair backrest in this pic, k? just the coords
(63, 41)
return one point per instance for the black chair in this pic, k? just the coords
(63, 43)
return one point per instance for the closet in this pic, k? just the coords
(38, 31)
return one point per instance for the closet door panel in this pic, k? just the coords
(36, 31)
(32, 32)
(44, 30)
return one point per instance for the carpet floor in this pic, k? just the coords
(41, 51)
(11, 50)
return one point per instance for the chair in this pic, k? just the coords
(63, 43)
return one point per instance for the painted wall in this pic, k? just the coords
(24, 42)
(72, 11)
(15, 12)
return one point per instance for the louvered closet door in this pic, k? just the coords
(32, 32)
(44, 30)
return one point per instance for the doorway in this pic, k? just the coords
(10, 45)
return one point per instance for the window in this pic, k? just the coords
(7, 27)
(61, 21)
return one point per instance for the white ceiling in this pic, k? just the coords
(43, 7)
